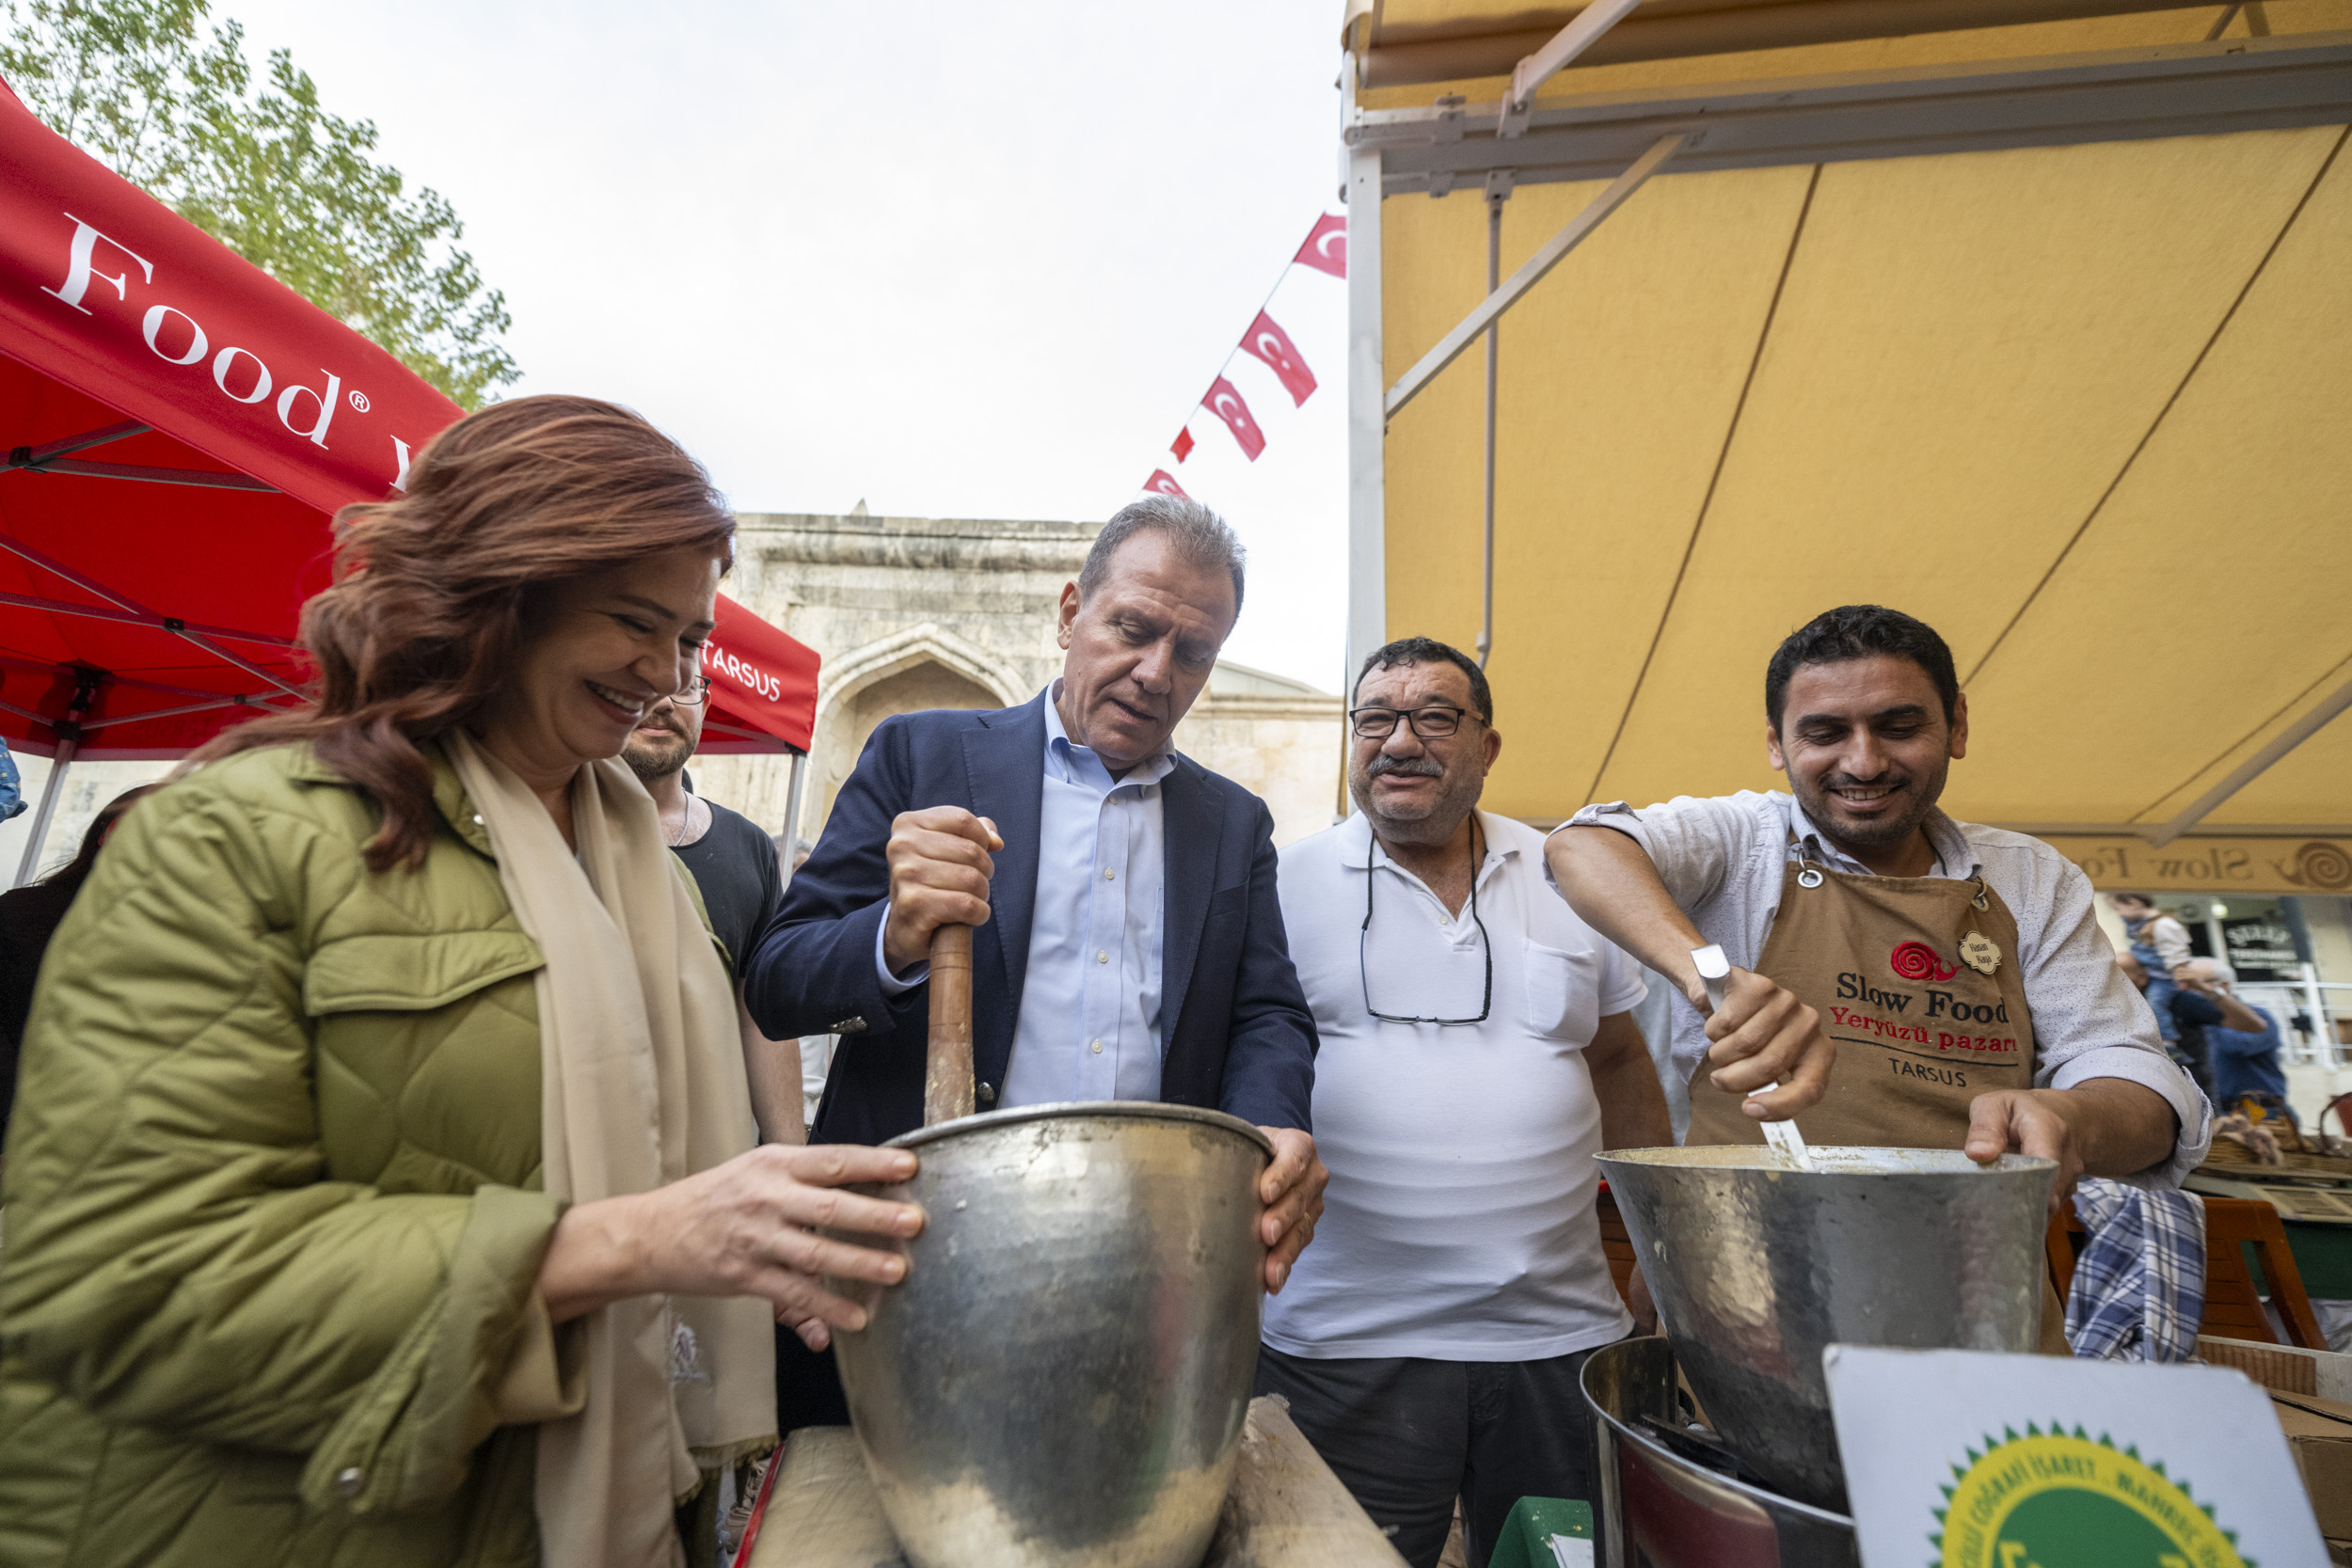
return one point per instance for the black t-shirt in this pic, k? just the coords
(28, 917)
(735, 864)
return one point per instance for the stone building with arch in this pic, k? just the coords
(907, 613)
(922, 613)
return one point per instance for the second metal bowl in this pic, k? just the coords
(1757, 1267)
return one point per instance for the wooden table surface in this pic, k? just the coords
(1287, 1510)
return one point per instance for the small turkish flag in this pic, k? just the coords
(1226, 404)
(1272, 345)
(1165, 483)
(1183, 445)
(1325, 249)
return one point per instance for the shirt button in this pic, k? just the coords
(350, 1483)
(1102, 957)
(1108, 875)
(1098, 1048)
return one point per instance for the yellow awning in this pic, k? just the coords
(2086, 409)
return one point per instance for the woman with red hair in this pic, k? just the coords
(382, 1187)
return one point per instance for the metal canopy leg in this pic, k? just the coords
(38, 833)
(1367, 423)
(69, 733)
(792, 813)
(1497, 192)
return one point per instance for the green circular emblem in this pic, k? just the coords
(2055, 1499)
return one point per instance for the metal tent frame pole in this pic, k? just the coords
(2314, 719)
(792, 813)
(38, 834)
(1554, 251)
(1497, 192)
(1367, 420)
(2183, 89)
(69, 733)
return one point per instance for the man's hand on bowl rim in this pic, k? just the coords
(1292, 1191)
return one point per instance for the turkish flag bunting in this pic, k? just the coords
(1165, 483)
(1325, 249)
(1272, 345)
(1183, 445)
(1226, 404)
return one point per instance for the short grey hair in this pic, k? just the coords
(2213, 969)
(1199, 537)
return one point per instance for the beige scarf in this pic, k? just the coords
(643, 1083)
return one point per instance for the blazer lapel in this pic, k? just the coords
(1005, 763)
(1191, 831)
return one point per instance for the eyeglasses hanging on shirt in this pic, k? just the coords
(1363, 938)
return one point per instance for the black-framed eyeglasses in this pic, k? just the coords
(1433, 722)
(696, 690)
(1363, 939)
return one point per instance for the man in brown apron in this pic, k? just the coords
(1909, 981)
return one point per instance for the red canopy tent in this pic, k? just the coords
(179, 429)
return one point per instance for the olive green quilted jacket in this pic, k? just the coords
(272, 1196)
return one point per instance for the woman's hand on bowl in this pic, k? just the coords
(749, 1228)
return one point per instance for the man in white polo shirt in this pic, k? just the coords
(1477, 1050)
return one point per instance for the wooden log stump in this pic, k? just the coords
(822, 1511)
(1286, 1510)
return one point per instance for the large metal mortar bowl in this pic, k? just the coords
(1757, 1267)
(1061, 1377)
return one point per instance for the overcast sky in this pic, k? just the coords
(950, 260)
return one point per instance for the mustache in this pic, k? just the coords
(1419, 767)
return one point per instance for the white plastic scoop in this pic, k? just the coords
(1714, 970)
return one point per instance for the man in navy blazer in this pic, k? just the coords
(1129, 937)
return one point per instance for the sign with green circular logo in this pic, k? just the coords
(2057, 1499)
(2134, 1463)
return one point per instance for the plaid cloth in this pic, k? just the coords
(2140, 1288)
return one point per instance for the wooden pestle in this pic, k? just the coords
(947, 1068)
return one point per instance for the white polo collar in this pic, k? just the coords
(1359, 848)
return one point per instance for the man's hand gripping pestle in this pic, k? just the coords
(1714, 973)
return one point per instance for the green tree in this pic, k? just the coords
(172, 105)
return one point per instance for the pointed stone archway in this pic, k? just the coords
(925, 666)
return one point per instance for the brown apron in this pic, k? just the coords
(1917, 983)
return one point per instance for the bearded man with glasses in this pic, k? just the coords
(1478, 1048)
(740, 879)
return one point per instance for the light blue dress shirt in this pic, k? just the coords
(1090, 1024)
